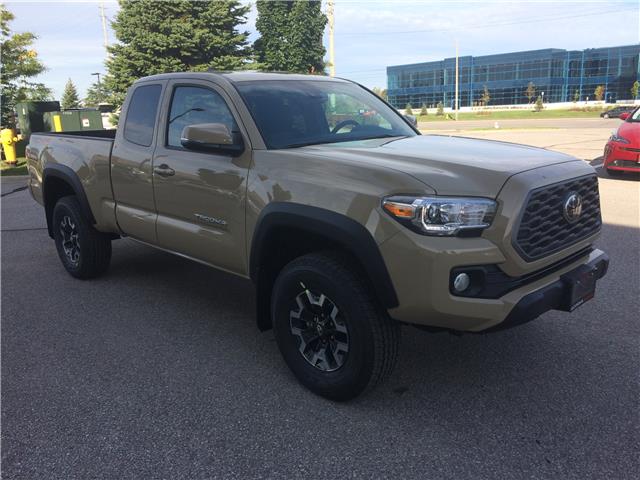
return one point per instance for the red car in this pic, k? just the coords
(622, 152)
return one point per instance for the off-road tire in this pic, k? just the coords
(373, 337)
(93, 248)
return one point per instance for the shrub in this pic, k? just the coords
(539, 105)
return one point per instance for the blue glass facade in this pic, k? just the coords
(558, 73)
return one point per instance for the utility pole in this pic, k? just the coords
(456, 100)
(105, 34)
(330, 22)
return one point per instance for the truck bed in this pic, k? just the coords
(85, 155)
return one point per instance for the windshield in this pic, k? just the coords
(294, 113)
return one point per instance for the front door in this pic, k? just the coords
(200, 196)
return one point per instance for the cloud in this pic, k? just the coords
(370, 34)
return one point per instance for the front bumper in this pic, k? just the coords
(423, 285)
(622, 157)
(552, 297)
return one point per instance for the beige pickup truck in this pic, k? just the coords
(346, 219)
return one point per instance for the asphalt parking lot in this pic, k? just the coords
(156, 370)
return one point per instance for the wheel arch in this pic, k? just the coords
(287, 230)
(59, 181)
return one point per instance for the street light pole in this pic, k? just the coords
(456, 99)
(99, 84)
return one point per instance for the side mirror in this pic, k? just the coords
(412, 120)
(624, 116)
(211, 137)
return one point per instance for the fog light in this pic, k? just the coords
(461, 282)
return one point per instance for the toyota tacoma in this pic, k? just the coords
(348, 221)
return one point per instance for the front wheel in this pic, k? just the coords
(84, 252)
(606, 115)
(330, 330)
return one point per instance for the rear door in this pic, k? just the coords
(200, 196)
(131, 162)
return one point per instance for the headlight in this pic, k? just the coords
(617, 138)
(443, 216)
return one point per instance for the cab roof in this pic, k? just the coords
(241, 76)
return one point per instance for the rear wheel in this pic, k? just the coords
(606, 115)
(84, 252)
(332, 334)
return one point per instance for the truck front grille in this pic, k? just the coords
(544, 228)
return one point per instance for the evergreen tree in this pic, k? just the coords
(408, 109)
(97, 94)
(440, 109)
(19, 64)
(539, 105)
(576, 96)
(69, 97)
(423, 111)
(181, 35)
(290, 36)
(634, 89)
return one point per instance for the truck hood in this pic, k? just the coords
(449, 165)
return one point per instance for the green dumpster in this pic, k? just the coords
(91, 120)
(31, 116)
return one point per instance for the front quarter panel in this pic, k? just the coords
(341, 187)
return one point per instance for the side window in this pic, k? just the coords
(141, 115)
(191, 105)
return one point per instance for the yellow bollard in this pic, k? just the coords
(8, 139)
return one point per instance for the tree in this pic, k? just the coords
(599, 92)
(440, 109)
(486, 97)
(634, 89)
(290, 36)
(69, 97)
(97, 94)
(187, 35)
(576, 96)
(539, 105)
(423, 110)
(531, 91)
(408, 109)
(381, 92)
(20, 63)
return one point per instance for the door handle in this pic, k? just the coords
(164, 170)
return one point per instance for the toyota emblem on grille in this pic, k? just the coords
(572, 208)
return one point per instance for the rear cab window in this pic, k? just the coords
(141, 115)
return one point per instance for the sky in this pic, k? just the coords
(369, 35)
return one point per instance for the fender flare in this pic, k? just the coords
(67, 175)
(346, 232)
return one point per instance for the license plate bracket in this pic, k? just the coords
(580, 286)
